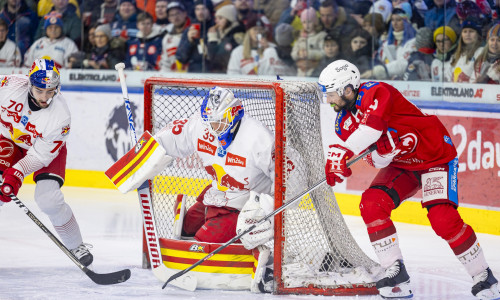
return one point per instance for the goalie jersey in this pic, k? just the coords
(380, 107)
(247, 166)
(40, 131)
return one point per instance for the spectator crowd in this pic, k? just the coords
(418, 40)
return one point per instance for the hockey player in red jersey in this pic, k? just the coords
(414, 151)
(35, 124)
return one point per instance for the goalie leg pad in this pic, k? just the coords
(263, 281)
(143, 162)
(179, 212)
(257, 207)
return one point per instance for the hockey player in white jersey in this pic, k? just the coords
(236, 151)
(35, 124)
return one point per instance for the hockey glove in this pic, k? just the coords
(388, 144)
(336, 169)
(12, 181)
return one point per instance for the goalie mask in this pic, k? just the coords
(221, 113)
(337, 76)
(44, 75)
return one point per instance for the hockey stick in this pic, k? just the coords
(103, 279)
(272, 214)
(159, 269)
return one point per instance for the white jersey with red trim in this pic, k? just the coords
(42, 132)
(247, 166)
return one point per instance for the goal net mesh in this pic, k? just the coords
(314, 249)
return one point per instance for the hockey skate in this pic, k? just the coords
(83, 254)
(485, 285)
(396, 283)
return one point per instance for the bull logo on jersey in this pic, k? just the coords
(225, 182)
(65, 130)
(5, 80)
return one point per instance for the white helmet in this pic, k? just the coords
(337, 75)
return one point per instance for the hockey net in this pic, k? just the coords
(315, 252)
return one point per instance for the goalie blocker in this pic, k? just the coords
(144, 161)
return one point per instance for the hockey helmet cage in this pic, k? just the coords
(44, 74)
(338, 75)
(220, 107)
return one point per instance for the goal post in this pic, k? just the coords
(314, 251)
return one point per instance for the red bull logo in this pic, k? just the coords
(225, 181)
(7, 125)
(45, 80)
(235, 160)
(65, 130)
(206, 147)
(14, 116)
(25, 138)
(233, 184)
(5, 80)
(32, 128)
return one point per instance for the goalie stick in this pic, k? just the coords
(103, 279)
(159, 269)
(272, 214)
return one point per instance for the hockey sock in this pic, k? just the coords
(468, 251)
(70, 233)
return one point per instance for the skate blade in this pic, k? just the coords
(401, 291)
(490, 294)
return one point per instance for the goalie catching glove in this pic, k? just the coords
(257, 207)
(336, 169)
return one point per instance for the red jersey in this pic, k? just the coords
(424, 139)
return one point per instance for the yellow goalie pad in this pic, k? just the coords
(143, 162)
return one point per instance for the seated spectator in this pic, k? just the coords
(480, 11)
(124, 24)
(145, 50)
(192, 49)
(416, 19)
(442, 14)
(98, 11)
(223, 37)
(247, 57)
(10, 56)
(359, 51)
(332, 50)
(284, 38)
(374, 24)
(291, 15)
(383, 7)
(22, 23)
(179, 21)
(359, 10)
(487, 65)
(420, 61)
(272, 9)
(46, 6)
(161, 14)
(445, 39)
(334, 20)
(89, 41)
(72, 23)
(103, 55)
(54, 45)
(468, 50)
(308, 49)
(393, 54)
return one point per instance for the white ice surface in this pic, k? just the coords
(32, 267)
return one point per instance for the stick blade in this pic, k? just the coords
(109, 278)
